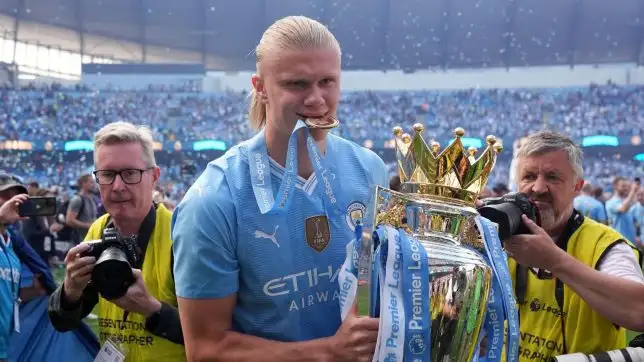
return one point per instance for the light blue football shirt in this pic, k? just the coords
(590, 207)
(638, 210)
(623, 222)
(283, 268)
(9, 289)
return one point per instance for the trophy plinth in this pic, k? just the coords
(436, 207)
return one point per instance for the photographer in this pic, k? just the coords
(12, 194)
(141, 321)
(578, 283)
(34, 341)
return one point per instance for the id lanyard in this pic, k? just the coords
(261, 175)
(14, 294)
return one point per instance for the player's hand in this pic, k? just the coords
(78, 272)
(356, 338)
(635, 187)
(9, 211)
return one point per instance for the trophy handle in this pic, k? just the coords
(366, 251)
(363, 295)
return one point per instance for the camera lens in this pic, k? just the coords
(112, 274)
(507, 215)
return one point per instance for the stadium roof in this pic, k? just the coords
(374, 34)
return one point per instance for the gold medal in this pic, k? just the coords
(322, 123)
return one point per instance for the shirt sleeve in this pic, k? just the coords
(65, 316)
(75, 204)
(620, 261)
(612, 207)
(203, 229)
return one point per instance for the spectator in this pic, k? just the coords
(82, 209)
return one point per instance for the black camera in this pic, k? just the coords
(115, 258)
(506, 211)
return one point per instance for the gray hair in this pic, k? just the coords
(125, 132)
(546, 141)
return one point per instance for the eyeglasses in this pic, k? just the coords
(130, 176)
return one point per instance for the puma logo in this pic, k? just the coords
(271, 237)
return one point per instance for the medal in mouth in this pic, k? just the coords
(324, 122)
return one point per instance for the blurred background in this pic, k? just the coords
(501, 67)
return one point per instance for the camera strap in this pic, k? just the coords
(142, 241)
(145, 233)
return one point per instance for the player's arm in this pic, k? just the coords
(66, 315)
(630, 199)
(71, 218)
(206, 277)
(207, 327)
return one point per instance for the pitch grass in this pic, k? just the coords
(59, 274)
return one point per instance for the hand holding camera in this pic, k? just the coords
(78, 272)
(109, 264)
(635, 186)
(536, 249)
(507, 211)
(518, 219)
(10, 210)
(137, 299)
(115, 258)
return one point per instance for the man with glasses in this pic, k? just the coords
(143, 324)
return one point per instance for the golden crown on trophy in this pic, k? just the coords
(453, 174)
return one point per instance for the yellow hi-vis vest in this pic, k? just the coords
(130, 336)
(550, 329)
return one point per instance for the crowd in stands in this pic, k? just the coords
(59, 113)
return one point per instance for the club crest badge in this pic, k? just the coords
(355, 212)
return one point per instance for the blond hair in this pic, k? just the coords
(289, 33)
(125, 132)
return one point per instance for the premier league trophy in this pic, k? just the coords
(424, 260)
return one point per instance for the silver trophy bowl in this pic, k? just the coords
(460, 279)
